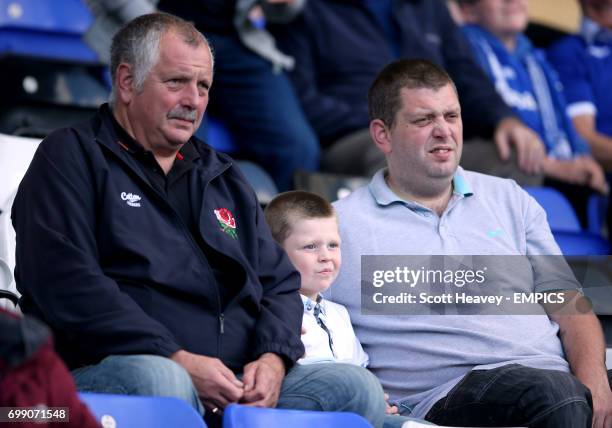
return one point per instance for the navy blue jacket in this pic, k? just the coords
(340, 47)
(113, 274)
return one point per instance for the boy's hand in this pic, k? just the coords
(262, 381)
(391, 410)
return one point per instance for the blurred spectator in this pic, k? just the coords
(31, 374)
(251, 93)
(341, 45)
(584, 64)
(109, 16)
(527, 83)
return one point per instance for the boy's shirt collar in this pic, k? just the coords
(309, 304)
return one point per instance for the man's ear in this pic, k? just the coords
(124, 83)
(381, 135)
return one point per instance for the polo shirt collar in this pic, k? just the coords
(383, 194)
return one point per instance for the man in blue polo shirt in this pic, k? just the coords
(583, 62)
(494, 370)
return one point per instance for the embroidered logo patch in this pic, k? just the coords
(226, 221)
(132, 199)
(494, 233)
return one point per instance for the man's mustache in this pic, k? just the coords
(183, 113)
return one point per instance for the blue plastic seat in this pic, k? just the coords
(217, 135)
(260, 181)
(45, 29)
(130, 411)
(581, 244)
(239, 416)
(559, 212)
(596, 212)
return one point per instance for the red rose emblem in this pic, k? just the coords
(227, 222)
(225, 216)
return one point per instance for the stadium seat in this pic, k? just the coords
(559, 212)
(596, 213)
(216, 134)
(239, 416)
(130, 411)
(15, 156)
(581, 243)
(260, 181)
(329, 186)
(49, 29)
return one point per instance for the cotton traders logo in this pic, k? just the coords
(131, 199)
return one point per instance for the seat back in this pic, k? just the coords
(239, 416)
(329, 186)
(559, 212)
(581, 244)
(129, 411)
(15, 156)
(260, 181)
(45, 29)
(596, 213)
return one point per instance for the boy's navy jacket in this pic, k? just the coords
(106, 261)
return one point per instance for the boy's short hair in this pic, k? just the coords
(288, 207)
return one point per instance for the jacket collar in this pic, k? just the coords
(209, 162)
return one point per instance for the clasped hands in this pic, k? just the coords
(217, 386)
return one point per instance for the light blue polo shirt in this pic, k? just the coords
(419, 358)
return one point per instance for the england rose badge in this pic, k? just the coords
(227, 222)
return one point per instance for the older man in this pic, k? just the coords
(472, 370)
(147, 253)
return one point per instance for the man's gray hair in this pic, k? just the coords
(137, 44)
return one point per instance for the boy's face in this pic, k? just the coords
(504, 18)
(314, 249)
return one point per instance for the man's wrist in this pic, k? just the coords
(274, 360)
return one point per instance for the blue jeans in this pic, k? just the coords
(262, 111)
(322, 387)
(515, 395)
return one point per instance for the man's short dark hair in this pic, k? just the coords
(289, 207)
(384, 98)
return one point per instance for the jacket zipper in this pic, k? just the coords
(198, 251)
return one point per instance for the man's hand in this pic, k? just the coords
(596, 178)
(529, 148)
(262, 381)
(602, 405)
(216, 384)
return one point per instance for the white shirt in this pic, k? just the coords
(346, 346)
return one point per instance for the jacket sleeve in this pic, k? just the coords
(482, 107)
(330, 117)
(279, 324)
(57, 268)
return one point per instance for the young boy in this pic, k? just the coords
(305, 225)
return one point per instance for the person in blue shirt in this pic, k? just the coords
(341, 45)
(584, 61)
(528, 84)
